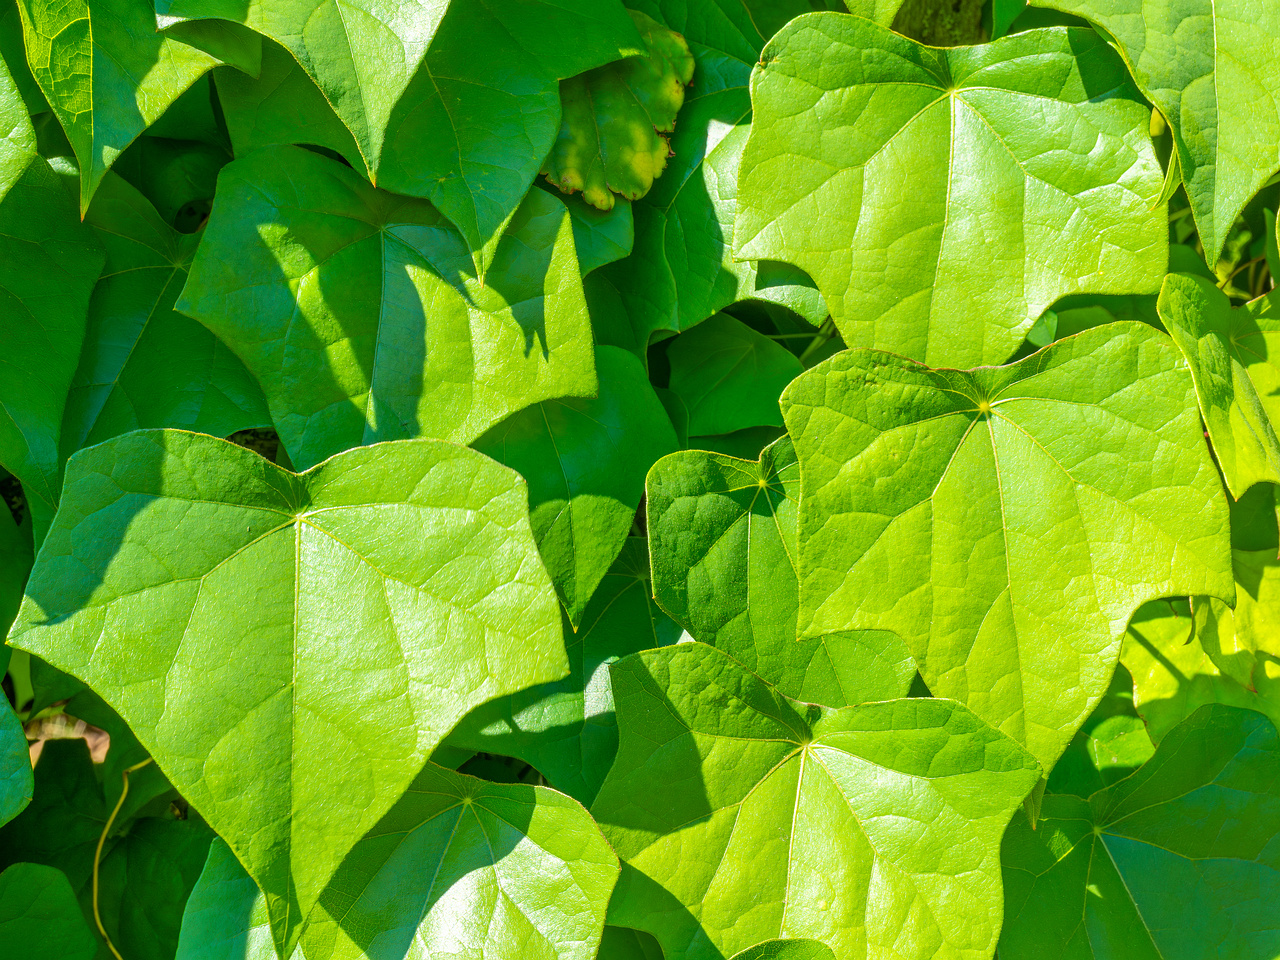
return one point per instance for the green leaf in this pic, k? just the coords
(682, 269)
(722, 537)
(585, 462)
(143, 365)
(108, 74)
(1006, 522)
(1213, 71)
(567, 730)
(1173, 861)
(16, 780)
(729, 376)
(787, 950)
(458, 867)
(281, 105)
(1112, 743)
(945, 152)
(48, 264)
(181, 556)
(39, 916)
(620, 943)
(1237, 382)
(875, 829)
(16, 556)
(601, 236)
(178, 177)
(361, 316)
(613, 116)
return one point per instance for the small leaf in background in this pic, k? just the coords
(620, 943)
(567, 729)
(585, 461)
(729, 376)
(1001, 521)
(1177, 860)
(602, 237)
(722, 538)
(143, 365)
(360, 315)
(178, 177)
(742, 816)
(943, 153)
(108, 74)
(1213, 71)
(1231, 355)
(49, 262)
(39, 916)
(613, 118)
(1112, 743)
(458, 867)
(241, 584)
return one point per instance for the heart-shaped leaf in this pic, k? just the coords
(1231, 353)
(39, 916)
(360, 314)
(722, 537)
(1005, 521)
(458, 867)
(742, 816)
(1155, 865)
(211, 598)
(944, 151)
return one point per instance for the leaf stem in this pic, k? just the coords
(97, 854)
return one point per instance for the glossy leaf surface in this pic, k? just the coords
(1231, 353)
(722, 538)
(875, 829)
(1212, 67)
(610, 138)
(361, 316)
(1152, 867)
(585, 461)
(201, 563)
(947, 151)
(1006, 522)
(39, 916)
(567, 730)
(458, 867)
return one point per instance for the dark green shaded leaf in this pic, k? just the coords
(1112, 743)
(787, 950)
(16, 781)
(39, 916)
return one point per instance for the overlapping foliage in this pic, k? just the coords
(830, 515)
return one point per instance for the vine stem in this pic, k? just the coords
(97, 854)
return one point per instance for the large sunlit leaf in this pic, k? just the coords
(143, 365)
(1212, 67)
(875, 829)
(108, 74)
(39, 916)
(429, 116)
(1231, 353)
(567, 729)
(48, 264)
(585, 461)
(360, 313)
(722, 537)
(1178, 860)
(457, 868)
(1006, 522)
(969, 188)
(214, 600)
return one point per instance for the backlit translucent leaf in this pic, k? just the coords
(613, 116)
(729, 376)
(1177, 860)
(457, 868)
(1006, 522)
(142, 364)
(682, 270)
(567, 729)
(1032, 150)
(741, 816)
(585, 461)
(1231, 353)
(108, 74)
(722, 537)
(48, 264)
(39, 916)
(211, 598)
(360, 314)
(1212, 67)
